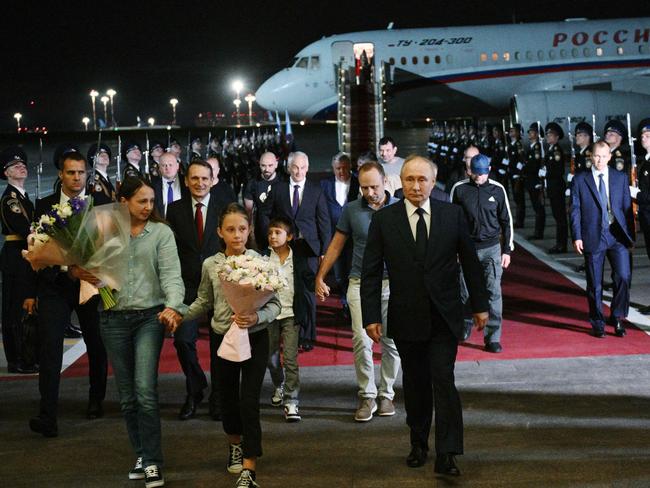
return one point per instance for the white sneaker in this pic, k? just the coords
(291, 413)
(276, 398)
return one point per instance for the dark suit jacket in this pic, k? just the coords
(312, 222)
(223, 193)
(180, 215)
(413, 286)
(157, 183)
(586, 224)
(329, 189)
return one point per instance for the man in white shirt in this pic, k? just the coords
(168, 188)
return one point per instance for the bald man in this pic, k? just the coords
(257, 195)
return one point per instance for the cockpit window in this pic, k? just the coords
(302, 63)
(315, 62)
(292, 63)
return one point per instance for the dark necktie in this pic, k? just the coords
(198, 220)
(296, 199)
(602, 192)
(170, 192)
(420, 237)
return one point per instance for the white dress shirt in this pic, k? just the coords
(342, 188)
(414, 217)
(204, 208)
(596, 174)
(176, 188)
(301, 189)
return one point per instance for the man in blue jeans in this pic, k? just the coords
(486, 207)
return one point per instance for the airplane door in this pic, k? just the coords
(343, 54)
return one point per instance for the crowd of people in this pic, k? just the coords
(388, 228)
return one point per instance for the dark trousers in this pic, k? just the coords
(15, 271)
(55, 305)
(557, 198)
(185, 339)
(619, 259)
(304, 258)
(240, 385)
(428, 381)
(519, 195)
(645, 228)
(215, 399)
(537, 201)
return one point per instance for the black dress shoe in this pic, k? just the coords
(214, 412)
(609, 286)
(72, 332)
(467, 330)
(494, 347)
(557, 250)
(535, 237)
(619, 328)
(40, 426)
(95, 410)
(599, 333)
(306, 346)
(12, 368)
(644, 310)
(27, 369)
(188, 410)
(446, 464)
(416, 457)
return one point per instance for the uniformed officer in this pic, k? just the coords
(485, 143)
(616, 136)
(499, 161)
(197, 148)
(534, 183)
(155, 151)
(133, 155)
(554, 165)
(517, 159)
(175, 148)
(18, 279)
(584, 140)
(642, 193)
(100, 186)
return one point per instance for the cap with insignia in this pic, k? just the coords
(130, 146)
(644, 126)
(93, 150)
(9, 157)
(174, 142)
(534, 127)
(155, 145)
(516, 127)
(196, 139)
(584, 128)
(616, 126)
(62, 151)
(555, 128)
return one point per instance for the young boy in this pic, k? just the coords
(287, 324)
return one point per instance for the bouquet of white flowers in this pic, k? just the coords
(248, 282)
(76, 233)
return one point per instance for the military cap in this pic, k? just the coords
(63, 150)
(130, 146)
(516, 127)
(555, 127)
(174, 142)
(584, 128)
(10, 156)
(196, 139)
(93, 150)
(644, 126)
(534, 127)
(156, 145)
(616, 126)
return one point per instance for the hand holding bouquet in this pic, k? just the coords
(76, 234)
(247, 282)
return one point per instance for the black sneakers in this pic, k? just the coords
(137, 473)
(153, 477)
(235, 459)
(246, 479)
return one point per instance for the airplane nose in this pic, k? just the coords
(278, 92)
(265, 95)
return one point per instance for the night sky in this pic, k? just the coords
(54, 53)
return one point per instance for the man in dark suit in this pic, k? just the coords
(57, 290)
(303, 203)
(340, 188)
(421, 242)
(169, 187)
(196, 240)
(602, 223)
(257, 196)
(221, 190)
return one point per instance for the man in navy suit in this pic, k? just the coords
(602, 224)
(421, 242)
(196, 240)
(340, 188)
(169, 187)
(303, 203)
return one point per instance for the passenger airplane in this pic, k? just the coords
(541, 71)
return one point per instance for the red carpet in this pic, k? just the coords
(545, 317)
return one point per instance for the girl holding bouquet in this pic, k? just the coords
(240, 383)
(131, 329)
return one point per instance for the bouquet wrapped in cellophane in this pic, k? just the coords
(94, 238)
(247, 282)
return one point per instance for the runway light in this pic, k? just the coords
(302, 122)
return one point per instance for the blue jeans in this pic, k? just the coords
(134, 339)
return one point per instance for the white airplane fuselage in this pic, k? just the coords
(450, 70)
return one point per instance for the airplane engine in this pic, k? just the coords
(548, 106)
